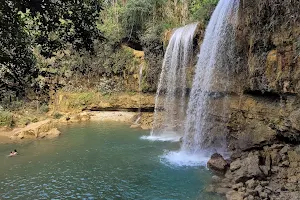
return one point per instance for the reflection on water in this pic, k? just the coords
(97, 161)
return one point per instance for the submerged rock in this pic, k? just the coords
(217, 164)
(135, 126)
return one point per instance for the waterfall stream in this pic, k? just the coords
(212, 81)
(137, 121)
(204, 128)
(171, 97)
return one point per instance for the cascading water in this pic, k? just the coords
(137, 121)
(171, 97)
(210, 86)
(212, 79)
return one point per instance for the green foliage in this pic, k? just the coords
(57, 115)
(135, 16)
(109, 23)
(17, 64)
(6, 119)
(49, 26)
(201, 10)
(44, 108)
(46, 44)
(53, 24)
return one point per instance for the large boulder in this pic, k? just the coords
(247, 168)
(53, 133)
(34, 130)
(217, 164)
(42, 129)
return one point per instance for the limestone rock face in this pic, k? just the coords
(53, 133)
(36, 130)
(271, 45)
(267, 108)
(247, 178)
(245, 169)
(233, 195)
(217, 164)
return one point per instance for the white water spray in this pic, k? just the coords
(171, 100)
(210, 88)
(212, 79)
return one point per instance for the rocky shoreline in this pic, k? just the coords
(269, 173)
(47, 129)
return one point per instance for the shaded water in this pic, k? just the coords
(170, 102)
(97, 161)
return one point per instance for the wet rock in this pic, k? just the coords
(33, 131)
(295, 119)
(251, 192)
(217, 164)
(53, 133)
(275, 157)
(251, 184)
(210, 189)
(250, 197)
(222, 190)
(292, 179)
(264, 183)
(249, 169)
(265, 170)
(259, 188)
(235, 165)
(294, 164)
(135, 126)
(263, 195)
(288, 195)
(255, 134)
(216, 179)
(284, 164)
(242, 189)
(277, 146)
(234, 195)
(293, 156)
(237, 186)
(284, 150)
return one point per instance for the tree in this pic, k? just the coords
(50, 25)
(17, 63)
(63, 21)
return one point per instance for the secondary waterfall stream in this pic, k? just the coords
(137, 121)
(171, 97)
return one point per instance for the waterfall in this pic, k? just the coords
(137, 121)
(212, 80)
(171, 97)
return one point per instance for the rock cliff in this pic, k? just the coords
(263, 119)
(266, 109)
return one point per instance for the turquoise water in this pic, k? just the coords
(97, 161)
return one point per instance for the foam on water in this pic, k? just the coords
(184, 159)
(168, 136)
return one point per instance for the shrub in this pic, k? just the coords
(44, 108)
(6, 119)
(57, 115)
